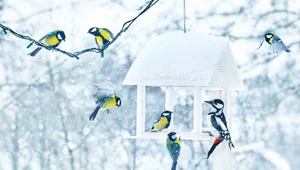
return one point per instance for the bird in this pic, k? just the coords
(163, 122)
(174, 147)
(102, 37)
(52, 39)
(275, 42)
(219, 123)
(105, 102)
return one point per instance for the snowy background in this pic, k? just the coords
(45, 101)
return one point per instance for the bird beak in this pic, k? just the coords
(210, 113)
(209, 102)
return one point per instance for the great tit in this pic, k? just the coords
(219, 123)
(163, 122)
(275, 42)
(102, 37)
(174, 147)
(104, 103)
(52, 39)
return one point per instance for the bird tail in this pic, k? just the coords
(174, 165)
(217, 141)
(29, 45)
(230, 144)
(287, 50)
(34, 52)
(94, 114)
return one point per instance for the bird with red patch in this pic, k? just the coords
(219, 124)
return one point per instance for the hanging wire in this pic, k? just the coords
(184, 23)
(124, 28)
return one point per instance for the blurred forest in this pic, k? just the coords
(45, 101)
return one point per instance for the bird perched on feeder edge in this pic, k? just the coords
(163, 122)
(52, 39)
(219, 123)
(105, 102)
(102, 37)
(174, 147)
(275, 42)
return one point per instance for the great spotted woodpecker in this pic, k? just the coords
(219, 123)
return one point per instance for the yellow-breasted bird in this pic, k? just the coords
(104, 103)
(102, 37)
(275, 42)
(174, 147)
(163, 122)
(52, 39)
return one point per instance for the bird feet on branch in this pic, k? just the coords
(208, 132)
(107, 112)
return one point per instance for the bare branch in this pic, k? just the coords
(124, 28)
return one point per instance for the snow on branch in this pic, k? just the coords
(124, 28)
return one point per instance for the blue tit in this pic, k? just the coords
(102, 37)
(105, 103)
(219, 123)
(163, 122)
(174, 147)
(276, 44)
(52, 39)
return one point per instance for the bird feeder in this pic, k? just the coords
(191, 61)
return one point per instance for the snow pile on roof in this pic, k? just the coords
(185, 59)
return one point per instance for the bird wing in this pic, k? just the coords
(216, 124)
(223, 119)
(99, 92)
(174, 151)
(44, 37)
(50, 34)
(226, 135)
(106, 33)
(276, 39)
(279, 46)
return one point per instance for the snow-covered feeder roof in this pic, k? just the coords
(185, 59)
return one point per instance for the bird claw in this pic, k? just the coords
(107, 112)
(208, 132)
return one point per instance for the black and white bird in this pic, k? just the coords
(219, 123)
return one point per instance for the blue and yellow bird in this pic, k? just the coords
(52, 39)
(163, 122)
(104, 103)
(276, 44)
(102, 37)
(174, 147)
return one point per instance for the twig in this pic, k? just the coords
(124, 28)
